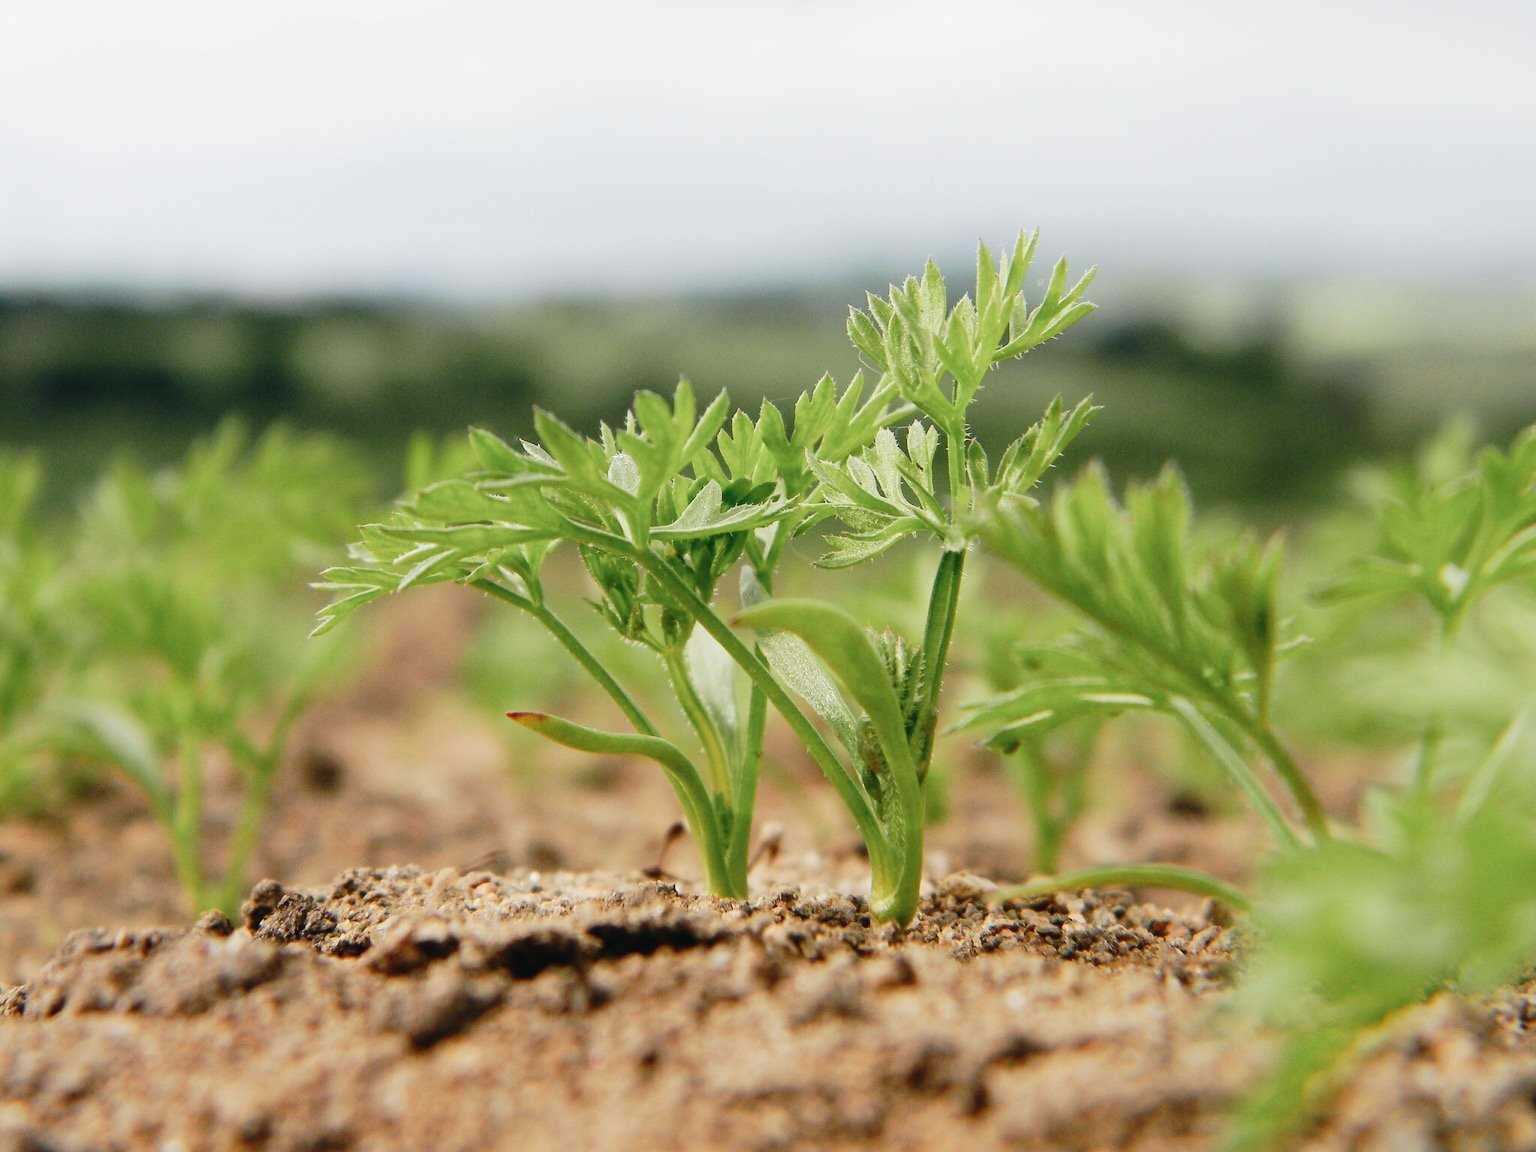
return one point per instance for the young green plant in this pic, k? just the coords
(32, 646)
(1448, 533)
(1166, 629)
(662, 509)
(884, 705)
(179, 586)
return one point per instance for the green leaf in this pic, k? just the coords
(117, 736)
(705, 517)
(842, 644)
(849, 551)
(679, 770)
(714, 677)
(1448, 529)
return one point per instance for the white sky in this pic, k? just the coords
(499, 148)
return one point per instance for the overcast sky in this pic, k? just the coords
(494, 148)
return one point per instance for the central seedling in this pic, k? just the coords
(665, 507)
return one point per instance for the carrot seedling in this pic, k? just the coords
(664, 508)
(177, 589)
(33, 647)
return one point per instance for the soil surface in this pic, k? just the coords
(497, 992)
(402, 1008)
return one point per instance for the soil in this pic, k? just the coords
(498, 992)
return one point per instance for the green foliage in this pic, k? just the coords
(660, 511)
(663, 507)
(1450, 530)
(1051, 775)
(173, 592)
(1347, 935)
(1429, 894)
(32, 647)
(1169, 627)
(939, 355)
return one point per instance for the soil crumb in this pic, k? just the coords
(409, 1008)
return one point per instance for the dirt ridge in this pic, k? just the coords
(407, 1008)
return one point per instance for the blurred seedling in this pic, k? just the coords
(1347, 930)
(1348, 936)
(180, 583)
(33, 647)
(1167, 627)
(1449, 532)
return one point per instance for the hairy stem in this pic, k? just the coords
(954, 457)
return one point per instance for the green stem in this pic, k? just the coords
(1032, 773)
(1429, 739)
(758, 672)
(572, 644)
(187, 822)
(1424, 756)
(1301, 791)
(698, 811)
(893, 894)
(954, 457)
(1485, 778)
(1237, 768)
(253, 810)
(739, 848)
(699, 719)
(1169, 876)
(259, 769)
(943, 602)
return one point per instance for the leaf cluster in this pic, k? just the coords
(1450, 529)
(891, 492)
(1346, 935)
(704, 490)
(1163, 618)
(165, 601)
(939, 354)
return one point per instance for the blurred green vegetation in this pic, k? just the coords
(1262, 394)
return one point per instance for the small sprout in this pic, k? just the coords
(1165, 628)
(173, 587)
(662, 508)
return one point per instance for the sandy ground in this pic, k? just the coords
(438, 963)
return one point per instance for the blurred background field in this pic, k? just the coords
(1263, 391)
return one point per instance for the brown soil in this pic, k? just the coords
(401, 1008)
(500, 994)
